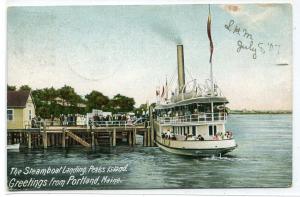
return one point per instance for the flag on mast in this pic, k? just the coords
(162, 92)
(209, 36)
(167, 89)
(157, 92)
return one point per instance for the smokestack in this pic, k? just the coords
(180, 64)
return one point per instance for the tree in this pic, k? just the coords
(153, 105)
(68, 94)
(96, 100)
(49, 94)
(47, 104)
(144, 108)
(25, 88)
(121, 103)
(41, 104)
(11, 88)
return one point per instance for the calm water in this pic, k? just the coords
(262, 159)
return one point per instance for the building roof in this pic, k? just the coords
(17, 98)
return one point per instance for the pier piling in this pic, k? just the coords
(148, 137)
(52, 140)
(151, 125)
(63, 139)
(29, 140)
(45, 140)
(129, 138)
(145, 138)
(93, 139)
(114, 137)
(134, 137)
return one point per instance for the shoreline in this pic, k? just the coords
(257, 113)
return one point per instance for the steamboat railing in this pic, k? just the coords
(201, 118)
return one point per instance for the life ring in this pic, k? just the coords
(221, 107)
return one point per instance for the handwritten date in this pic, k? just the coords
(247, 42)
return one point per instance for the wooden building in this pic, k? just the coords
(20, 109)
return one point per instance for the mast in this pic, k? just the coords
(211, 65)
(211, 52)
(212, 88)
(167, 89)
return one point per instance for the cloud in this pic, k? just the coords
(254, 15)
(266, 5)
(262, 16)
(167, 31)
(232, 8)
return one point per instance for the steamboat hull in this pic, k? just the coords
(201, 151)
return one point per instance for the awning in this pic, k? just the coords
(219, 100)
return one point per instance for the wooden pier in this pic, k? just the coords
(72, 136)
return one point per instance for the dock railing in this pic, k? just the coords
(55, 123)
(202, 117)
(110, 123)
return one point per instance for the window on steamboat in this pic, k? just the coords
(194, 130)
(211, 131)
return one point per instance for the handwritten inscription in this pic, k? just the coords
(247, 42)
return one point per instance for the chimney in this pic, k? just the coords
(180, 63)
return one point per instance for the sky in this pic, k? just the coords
(132, 49)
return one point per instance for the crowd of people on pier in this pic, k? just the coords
(71, 119)
(36, 122)
(83, 120)
(98, 120)
(62, 120)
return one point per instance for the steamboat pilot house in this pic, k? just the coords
(192, 121)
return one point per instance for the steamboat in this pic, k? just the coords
(192, 122)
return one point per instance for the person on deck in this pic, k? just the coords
(33, 123)
(61, 119)
(51, 119)
(168, 135)
(200, 138)
(216, 137)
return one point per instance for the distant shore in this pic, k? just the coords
(260, 112)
